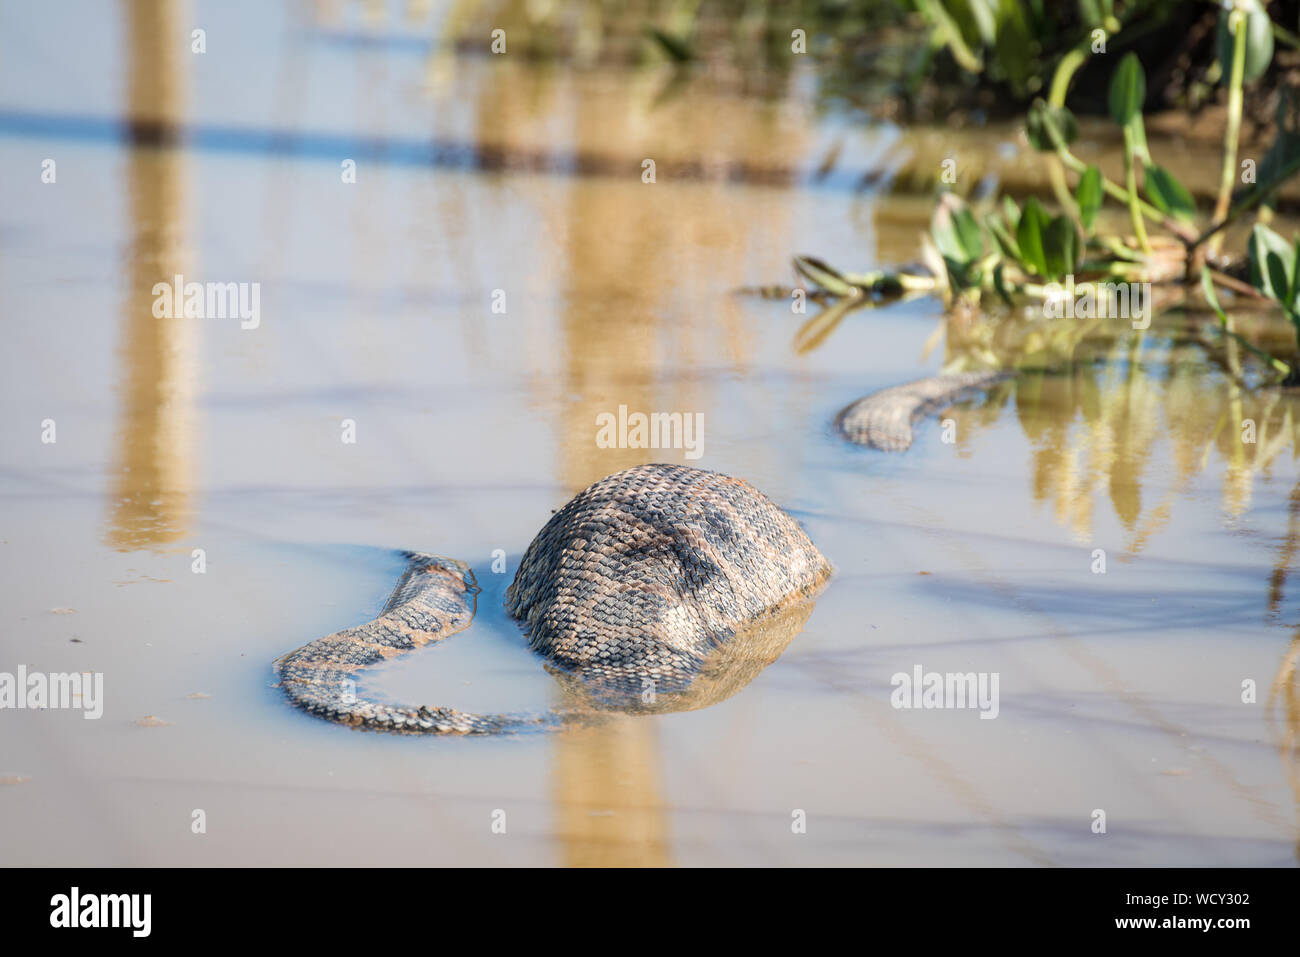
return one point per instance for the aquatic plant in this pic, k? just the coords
(1027, 254)
(921, 57)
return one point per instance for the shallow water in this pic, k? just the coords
(1119, 691)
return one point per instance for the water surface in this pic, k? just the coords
(1119, 691)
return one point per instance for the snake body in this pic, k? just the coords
(657, 588)
(884, 419)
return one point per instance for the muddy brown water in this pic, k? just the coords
(1119, 691)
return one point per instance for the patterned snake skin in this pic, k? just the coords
(884, 419)
(659, 588)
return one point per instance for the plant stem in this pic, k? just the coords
(1248, 201)
(1279, 32)
(946, 29)
(1114, 190)
(1130, 181)
(1065, 71)
(1276, 364)
(1236, 285)
(1237, 22)
(1056, 175)
(1286, 36)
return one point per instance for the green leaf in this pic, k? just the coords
(1011, 211)
(956, 232)
(1293, 307)
(975, 19)
(1029, 236)
(962, 276)
(1006, 243)
(1207, 287)
(1259, 44)
(1088, 195)
(1040, 117)
(1000, 284)
(969, 234)
(1128, 89)
(1168, 195)
(1272, 279)
(1286, 144)
(955, 36)
(1090, 12)
(944, 233)
(1279, 277)
(1014, 45)
(819, 273)
(1060, 247)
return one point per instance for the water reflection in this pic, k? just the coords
(1111, 412)
(622, 242)
(1102, 403)
(1284, 708)
(607, 798)
(1284, 693)
(152, 488)
(1103, 407)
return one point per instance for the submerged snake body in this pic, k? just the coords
(634, 589)
(884, 419)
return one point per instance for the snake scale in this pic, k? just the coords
(658, 588)
(645, 592)
(884, 419)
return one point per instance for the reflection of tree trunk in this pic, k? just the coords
(623, 243)
(607, 796)
(151, 493)
(608, 799)
(1286, 692)
(1290, 543)
(635, 255)
(1286, 685)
